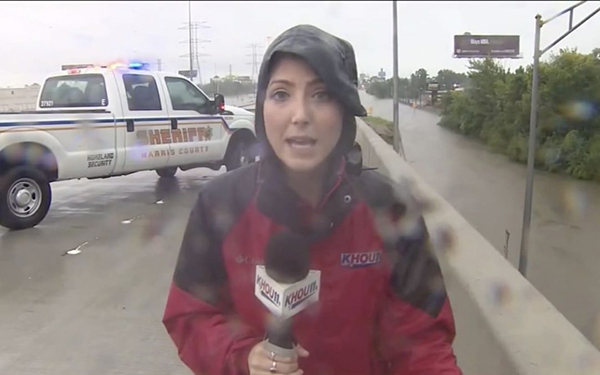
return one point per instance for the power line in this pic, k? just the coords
(193, 41)
(254, 62)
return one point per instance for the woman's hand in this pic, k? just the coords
(260, 362)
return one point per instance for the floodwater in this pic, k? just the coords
(489, 190)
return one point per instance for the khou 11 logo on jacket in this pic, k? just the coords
(286, 300)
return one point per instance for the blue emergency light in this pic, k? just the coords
(137, 65)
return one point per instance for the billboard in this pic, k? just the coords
(481, 46)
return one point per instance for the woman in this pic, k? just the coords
(382, 307)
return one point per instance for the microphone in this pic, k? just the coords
(286, 286)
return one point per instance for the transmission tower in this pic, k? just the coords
(255, 62)
(193, 41)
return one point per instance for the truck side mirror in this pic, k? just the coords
(219, 103)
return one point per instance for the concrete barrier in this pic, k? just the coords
(18, 99)
(504, 325)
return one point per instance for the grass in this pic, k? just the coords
(382, 127)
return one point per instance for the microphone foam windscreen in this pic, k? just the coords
(287, 258)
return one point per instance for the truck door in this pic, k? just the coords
(146, 131)
(196, 134)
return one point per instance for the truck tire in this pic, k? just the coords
(242, 153)
(168, 172)
(25, 197)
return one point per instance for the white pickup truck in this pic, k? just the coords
(111, 121)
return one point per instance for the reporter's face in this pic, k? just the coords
(303, 122)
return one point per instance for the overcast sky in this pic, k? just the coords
(37, 38)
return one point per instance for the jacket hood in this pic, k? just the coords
(333, 61)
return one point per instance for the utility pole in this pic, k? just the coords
(397, 138)
(159, 63)
(537, 53)
(230, 70)
(190, 38)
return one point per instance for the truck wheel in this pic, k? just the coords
(25, 197)
(167, 172)
(242, 153)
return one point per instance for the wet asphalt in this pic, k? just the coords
(97, 311)
(83, 292)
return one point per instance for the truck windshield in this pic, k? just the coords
(85, 90)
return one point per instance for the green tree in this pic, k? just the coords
(447, 78)
(381, 89)
(495, 108)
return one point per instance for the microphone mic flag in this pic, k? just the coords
(285, 285)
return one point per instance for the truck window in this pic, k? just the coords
(142, 93)
(185, 96)
(85, 90)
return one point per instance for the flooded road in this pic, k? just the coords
(488, 190)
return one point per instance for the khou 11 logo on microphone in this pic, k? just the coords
(286, 300)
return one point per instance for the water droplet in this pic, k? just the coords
(579, 110)
(574, 201)
(553, 156)
(443, 239)
(500, 294)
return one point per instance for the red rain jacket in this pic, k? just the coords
(383, 308)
